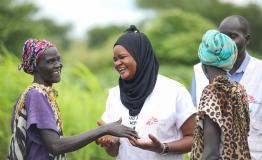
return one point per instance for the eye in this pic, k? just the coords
(49, 61)
(53, 60)
(58, 59)
(233, 36)
(122, 56)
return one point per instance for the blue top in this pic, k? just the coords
(235, 77)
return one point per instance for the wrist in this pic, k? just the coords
(165, 149)
(105, 130)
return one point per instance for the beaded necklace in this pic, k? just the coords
(51, 96)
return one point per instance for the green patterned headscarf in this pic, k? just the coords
(217, 49)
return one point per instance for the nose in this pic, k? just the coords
(61, 65)
(58, 64)
(117, 62)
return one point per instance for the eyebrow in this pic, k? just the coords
(49, 58)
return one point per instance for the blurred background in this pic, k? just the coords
(85, 31)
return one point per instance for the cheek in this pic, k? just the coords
(134, 68)
(240, 44)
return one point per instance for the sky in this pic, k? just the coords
(85, 14)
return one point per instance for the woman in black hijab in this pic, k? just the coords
(158, 108)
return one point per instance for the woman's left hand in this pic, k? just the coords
(152, 145)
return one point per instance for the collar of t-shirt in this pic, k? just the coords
(240, 71)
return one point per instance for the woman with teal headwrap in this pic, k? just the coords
(223, 116)
(217, 53)
(217, 49)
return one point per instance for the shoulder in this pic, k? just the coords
(168, 85)
(35, 93)
(258, 61)
(197, 66)
(114, 91)
(35, 100)
(168, 82)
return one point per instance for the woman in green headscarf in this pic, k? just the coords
(223, 117)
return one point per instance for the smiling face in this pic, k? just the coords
(49, 67)
(124, 63)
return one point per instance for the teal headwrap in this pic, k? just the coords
(217, 49)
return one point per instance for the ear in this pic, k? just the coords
(248, 37)
(35, 70)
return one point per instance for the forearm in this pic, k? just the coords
(57, 145)
(181, 146)
(212, 134)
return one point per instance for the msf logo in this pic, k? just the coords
(151, 121)
(251, 99)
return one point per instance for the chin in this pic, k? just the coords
(125, 78)
(56, 80)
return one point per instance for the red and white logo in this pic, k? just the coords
(152, 120)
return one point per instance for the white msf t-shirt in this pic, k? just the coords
(163, 113)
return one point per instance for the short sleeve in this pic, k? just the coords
(207, 105)
(184, 106)
(107, 117)
(193, 90)
(39, 112)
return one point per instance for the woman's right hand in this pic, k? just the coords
(107, 141)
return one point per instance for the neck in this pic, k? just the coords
(40, 81)
(239, 61)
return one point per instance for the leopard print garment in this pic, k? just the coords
(226, 103)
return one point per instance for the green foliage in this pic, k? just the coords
(18, 24)
(215, 11)
(82, 103)
(176, 35)
(97, 36)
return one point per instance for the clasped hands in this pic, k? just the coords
(151, 144)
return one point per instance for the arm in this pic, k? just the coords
(184, 145)
(57, 145)
(212, 134)
(180, 146)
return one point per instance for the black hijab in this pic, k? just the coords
(134, 92)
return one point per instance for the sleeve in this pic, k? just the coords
(207, 108)
(107, 115)
(39, 112)
(184, 107)
(193, 90)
